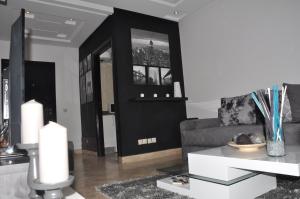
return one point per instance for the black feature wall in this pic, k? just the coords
(139, 120)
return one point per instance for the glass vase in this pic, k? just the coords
(275, 142)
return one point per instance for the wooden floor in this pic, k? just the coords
(91, 171)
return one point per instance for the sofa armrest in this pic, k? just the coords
(199, 124)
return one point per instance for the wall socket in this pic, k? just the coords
(140, 142)
(146, 141)
(153, 140)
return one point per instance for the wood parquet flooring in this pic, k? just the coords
(91, 171)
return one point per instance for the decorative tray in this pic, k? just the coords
(246, 147)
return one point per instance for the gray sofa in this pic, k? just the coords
(199, 134)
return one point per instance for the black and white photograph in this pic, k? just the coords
(82, 90)
(150, 48)
(89, 86)
(84, 61)
(153, 76)
(80, 68)
(165, 76)
(139, 75)
(89, 61)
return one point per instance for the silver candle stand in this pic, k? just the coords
(52, 191)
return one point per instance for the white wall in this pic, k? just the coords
(233, 47)
(67, 86)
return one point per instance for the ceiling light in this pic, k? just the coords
(3, 2)
(61, 35)
(176, 12)
(70, 22)
(29, 15)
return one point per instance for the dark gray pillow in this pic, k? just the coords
(286, 113)
(237, 110)
(293, 93)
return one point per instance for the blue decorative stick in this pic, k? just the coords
(275, 111)
(258, 103)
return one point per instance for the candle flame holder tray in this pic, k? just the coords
(52, 191)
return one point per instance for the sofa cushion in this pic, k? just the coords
(237, 110)
(199, 123)
(293, 93)
(216, 136)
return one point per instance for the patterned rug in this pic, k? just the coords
(145, 188)
(287, 188)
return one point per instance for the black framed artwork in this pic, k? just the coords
(139, 75)
(89, 86)
(80, 68)
(150, 58)
(89, 62)
(82, 90)
(3, 2)
(153, 76)
(85, 65)
(165, 76)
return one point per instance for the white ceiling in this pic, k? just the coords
(48, 25)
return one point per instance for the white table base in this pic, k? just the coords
(247, 189)
(226, 173)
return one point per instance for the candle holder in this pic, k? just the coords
(32, 150)
(52, 191)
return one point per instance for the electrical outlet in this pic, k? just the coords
(153, 140)
(149, 140)
(144, 141)
(140, 142)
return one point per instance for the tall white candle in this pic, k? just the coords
(53, 154)
(31, 121)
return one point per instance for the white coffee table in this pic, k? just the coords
(226, 173)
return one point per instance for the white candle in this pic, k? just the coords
(53, 154)
(177, 89)
(31, 121)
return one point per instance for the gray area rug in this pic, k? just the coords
(174, 170)
(287, 188)
(145, 188)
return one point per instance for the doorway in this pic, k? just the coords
(39, 85)
(106, 99)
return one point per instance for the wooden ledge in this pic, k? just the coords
(171, 154)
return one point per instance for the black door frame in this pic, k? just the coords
(98, 98)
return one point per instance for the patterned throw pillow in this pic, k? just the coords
(286, 114)
(293, 95)
(237, 110)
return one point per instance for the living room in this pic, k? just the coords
(216, 49)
